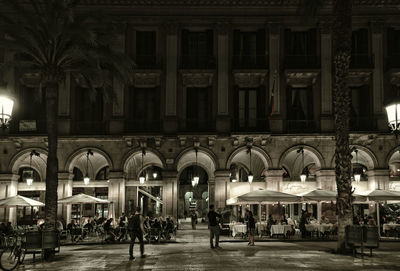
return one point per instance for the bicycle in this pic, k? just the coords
(14, 252)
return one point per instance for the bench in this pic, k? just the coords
(362, 237)
(37, 242)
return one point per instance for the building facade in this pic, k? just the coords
(222, 88)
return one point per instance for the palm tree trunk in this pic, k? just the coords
(52, 161)
(342, 50)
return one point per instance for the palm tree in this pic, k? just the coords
(341, 36)
(50, 38)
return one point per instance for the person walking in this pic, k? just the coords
(213, 226)
(193, 218)
(252, 228)
(136, 230)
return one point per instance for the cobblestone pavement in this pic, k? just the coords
(192, 252)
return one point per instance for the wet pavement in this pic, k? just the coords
(191, 252)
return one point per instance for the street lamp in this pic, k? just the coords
(6, 107)
(86, 179)
(393, 114)
(29, 180)
(250, 176)
(142, 176)
(304, 171)
(196, 177)
(357, 171)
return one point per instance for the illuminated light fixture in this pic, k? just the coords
(155, 174)
(250, 177)
(304, 171)
(29, 180)
(6, 107)
(357, 172)
(196, 178)
(190, 199)
(234, 180)
(393, 115)
(86, 179)
(142, 177)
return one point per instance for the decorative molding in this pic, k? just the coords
(235, 141)
(171, 28)
(301, 79)
(377, 26)
(197, 79)
(157, 142)
(274, 28)
(249, 79)
(358, 78)
(182, 140)
(147, 79)
(31, 80)
(223, 28)
(395, 77)
(211, 141)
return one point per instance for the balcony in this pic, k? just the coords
(204, 62)
(196, 125)
(393, 62)
(361, 61)
(302, 62)
(362, 124)
(250, 62)
(302, 126)
(138, 126)
(90, 127)
(250, 125)
(147, 62)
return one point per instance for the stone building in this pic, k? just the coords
(216, 81)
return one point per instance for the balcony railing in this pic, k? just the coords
(250, 125)
(361, 61)
(393, 61)
(90, 127)
(147, 62)
(197, 62)
(362, 124)
(302, 126)
(195, 125)
(137, 126)
(302, 62)
(250, 62)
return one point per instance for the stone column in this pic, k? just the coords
(64, 103)
(8, 188)
(170, 120)
(378, 179)
(326, 179)
(274, 179)
(170, 193)
(377, 74)
(117, 120)
(221, 182)
(116, 193)
(223, 120)
(64, 190)
(211, 192)
(276, 123)
(326, 78)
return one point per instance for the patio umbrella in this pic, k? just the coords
(82, 199)
(382, 195)
(19, 201)
(320, 195)
(260, 196)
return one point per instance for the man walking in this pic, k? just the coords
(213, 226)
(136, 229)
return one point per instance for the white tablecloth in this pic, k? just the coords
(388, 227)
(322, 228)
(280, 229)
(238, 228)
(261, 226)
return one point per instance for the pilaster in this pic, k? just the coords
(326, 179)
(221, 182)
(378, 179)
(274, 179)
(116, 193)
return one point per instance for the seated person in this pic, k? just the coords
(72, 228)
(324, 220)
(283, 220)
(371, 221)
(290, 221)
(109, 230)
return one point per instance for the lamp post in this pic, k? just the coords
(142, 176)
(86, 179)
(6, 107)
(250, 177)
(29, 180)
(304, 171)
(196, 177)
(393, 115)
(357, 171)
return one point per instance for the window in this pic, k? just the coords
(32, 111)
(393, 48)
(301, 49)
(103, 174)
(247, 108)
(360, 49)
(198, 108)
(144, 109)
(197, 49)
(361, 108)
(78, 175)
(249, 49)
(89, 110)
(300, 104)
(146, 49)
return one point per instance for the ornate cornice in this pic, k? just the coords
(358, 78)
(197, 79)
(301, 79)
(147, 79)
(249, 79)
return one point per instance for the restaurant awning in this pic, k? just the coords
(19, 201)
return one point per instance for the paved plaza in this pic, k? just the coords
(191, 252)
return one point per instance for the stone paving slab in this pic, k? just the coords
(192, 253)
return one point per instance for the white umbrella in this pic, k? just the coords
(268, 196)
(320, 195)
(82, 199)
(19, 201)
